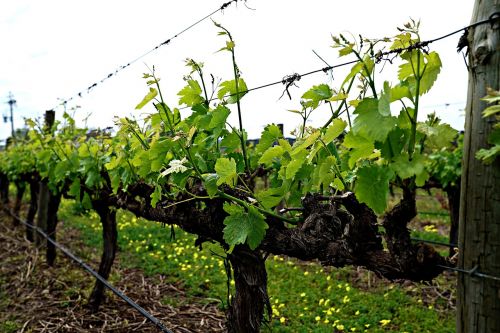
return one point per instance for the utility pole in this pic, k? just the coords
(11, 103)
(478, 298)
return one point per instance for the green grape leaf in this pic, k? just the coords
(210, 182)
(229, 88)
(338, 97)
(269, 136)
(270, 154)
(83, 151)
(113, 163)
(372, 186)
(346, 50)
(324, 175)
(405, 168)
(355, 70)
(360, 147)
(422, 177)
(74, 189)
(432, 69)
(394, 144)
(156, 196)
(491, 110)
(92, 178)
(489, 155)
(334, 130)
(295, 164)
(190, 94)
(399, 92)
(301, 145)
(369, 123)
(494, 137)
(317, 94)
(285, 145)
(492, 96)
(152, 94)
(115, 181)
(430, 66)
(337, 184)
(86, 201)
(408, 68)
(242, 226)
(219, 116)
(270, 197)
(230, 142)
(385, 100)
(226, 170)
(438, 136)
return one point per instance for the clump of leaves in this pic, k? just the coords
(488, 155)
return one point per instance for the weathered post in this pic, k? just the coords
(478, 298)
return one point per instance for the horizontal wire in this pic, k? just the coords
(136, 306)
(295, 77)
(473, 272)
(433, 242)
(122, 67)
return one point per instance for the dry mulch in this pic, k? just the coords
(37, 298)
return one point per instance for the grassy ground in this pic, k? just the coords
(37, 298)
(305, 297)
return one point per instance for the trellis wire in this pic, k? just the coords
(86, 267)
(122, 67)
(472, 272)
(290, 79)
(416, 239)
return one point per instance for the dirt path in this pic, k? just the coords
(37, 298)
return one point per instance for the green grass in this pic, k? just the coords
(9, 326)
(305, 297)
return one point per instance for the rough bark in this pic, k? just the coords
(453, 194)
(43, 206)
(4, 189)
(337, 232)
(20, 189)
(33, 207)
(478, 299)
(110, 236)
(246, 311)
(333, 235)
(53, 207)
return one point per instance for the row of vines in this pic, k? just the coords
(322, 196)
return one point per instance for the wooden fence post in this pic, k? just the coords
(478, 298)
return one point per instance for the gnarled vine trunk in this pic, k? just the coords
(33, 207)
(4, 189)
(53, 207)
(109, 235)
(246, 311)
(20, 189)
(453, 193)
(337, 231)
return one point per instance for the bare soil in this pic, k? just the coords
(37, 298)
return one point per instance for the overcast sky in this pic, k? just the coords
(55, 48)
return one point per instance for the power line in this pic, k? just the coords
(122, 67)
(86, 267)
